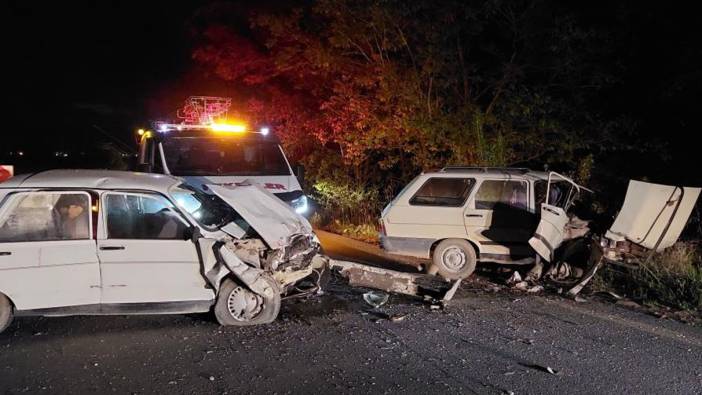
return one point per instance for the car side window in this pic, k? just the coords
(557, 193)
(443, 191)
(501, 194)
(137, 216)
(46, 216)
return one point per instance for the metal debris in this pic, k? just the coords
(515, 278)
(413, 284)
(451, 292)
(398, 317)
(535, 289)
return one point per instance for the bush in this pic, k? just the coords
(672, 278)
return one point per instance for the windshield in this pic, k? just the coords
(203, 156)
(208, 210)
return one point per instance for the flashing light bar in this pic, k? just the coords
(228, 128)
(214, 127)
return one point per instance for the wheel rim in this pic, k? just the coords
(243, 304)
(454, 259)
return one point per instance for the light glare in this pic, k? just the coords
(228, 128)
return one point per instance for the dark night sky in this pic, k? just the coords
(120, 64)
(75, 64)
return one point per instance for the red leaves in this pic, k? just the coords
(234, 58)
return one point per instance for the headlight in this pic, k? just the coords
(300, 204)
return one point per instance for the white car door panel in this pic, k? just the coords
(551, 230)
(69, 252)
(61, 270)
(144, 257)
(17, 255)
(549, 233)
(143, 271)
(497, 217)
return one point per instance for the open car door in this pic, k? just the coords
(561, 191)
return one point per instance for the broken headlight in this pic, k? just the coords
(300, 205)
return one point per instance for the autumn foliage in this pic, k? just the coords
(369, 93)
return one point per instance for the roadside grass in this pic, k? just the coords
(671, 278)
(366, 232)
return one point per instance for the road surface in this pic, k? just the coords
(484, 343)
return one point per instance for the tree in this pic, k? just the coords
(375, 91)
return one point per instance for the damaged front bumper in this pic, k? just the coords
(248, 259)
(414, 284)
(288, 265)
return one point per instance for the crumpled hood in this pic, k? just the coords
(653, 215)
(273, 219)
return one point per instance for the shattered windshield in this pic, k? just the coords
(208, 210)
(202, 156)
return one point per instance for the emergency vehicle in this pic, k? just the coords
(205, 148)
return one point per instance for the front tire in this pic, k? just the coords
(237, 305)
(454, 259)
(6, 312)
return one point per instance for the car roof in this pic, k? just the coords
(502, 172)
(93, 179)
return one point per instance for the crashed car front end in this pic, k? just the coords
(245, 229)
(289, 265)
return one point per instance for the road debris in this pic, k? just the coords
(413, 284)
(398, 317)
(375, 299)
(543, 368)
(451, 292)
(514, 279)
(535, 289)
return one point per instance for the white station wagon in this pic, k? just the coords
(108, 242)
(461, 215)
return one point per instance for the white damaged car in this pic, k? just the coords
(83, 242)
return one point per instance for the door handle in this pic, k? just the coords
(111, 248)
(552, 211)
(474, 215)
(5, 253)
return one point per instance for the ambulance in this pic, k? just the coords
(205, 148)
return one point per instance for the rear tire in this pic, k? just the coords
(239, 306)
(6, 312)
(454, 259)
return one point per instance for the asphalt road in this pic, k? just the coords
(484, 342)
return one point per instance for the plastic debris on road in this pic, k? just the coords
(375, 299)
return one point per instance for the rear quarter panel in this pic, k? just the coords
(428, 223)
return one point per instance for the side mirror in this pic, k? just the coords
(192, 233)
(300, 174)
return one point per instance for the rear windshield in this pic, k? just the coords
(200, 156)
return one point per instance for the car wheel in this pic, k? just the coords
(6, 312)
(239, 306)
(454, 259)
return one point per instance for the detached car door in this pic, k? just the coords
(48, 255)
(560, 194)
(145, 256)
